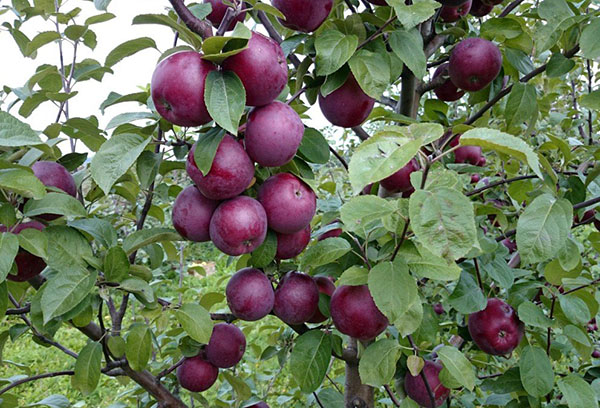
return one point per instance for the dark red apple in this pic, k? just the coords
(296, 298)
(273, 134)
(53, 174)
(417, 390)
(28, 265)
(226, 346)
(291, 245)
(474, 63)
(230, 174)
(262, 68)
(438, 308)
(192, 213)
(450, 14)
(238, 226)
(466, 154)
(475, 178)
(354, 313)
(452, 3)
(302, 15)
(249, 294)
(326, 287)
(347, 106)
(196, 374)
(446, 92)
(480, 9)
(218, 12)
(400, 180)
(596, 353)
(367, 189)
(509, 244)
(260, 405)
(493, 2)
(597, 224)
(587, 216)
(496, 329)
(178, 88)
(334, 233)
(290, 204)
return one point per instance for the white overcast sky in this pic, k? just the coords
(130, 73)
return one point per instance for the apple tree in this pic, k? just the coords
(436, 245)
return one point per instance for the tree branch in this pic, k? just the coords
(339, 157)
(392, 396)
(202, 28)
(510, 8)
(360, 132)
(376, 33)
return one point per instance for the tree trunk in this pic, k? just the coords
(357, 394)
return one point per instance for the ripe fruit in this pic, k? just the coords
(417, 390)
(196, 374)
(475, 178)
(400, 180)
(226, 346)
(178, 88)
(218, 12)
(509, 244)
(302, 15)
(273, 134)
(260, 405)
(588, 215)
(474, 63)
(452, 3)
(493, 2)
(447, 92)
(326, 287)
(438, 308)
(480, 9)
(354, 313)
(291, 245)
(496, 329)
(249, 294)
(367, 189)
(347, 106)
(28, 265)
(238, 226)
(334, 233)
(296, 298)
(53, 174)
(230, 174)
(192, 213)
(289, 203)
(467, 154)
(262, 69)
(596, 353)
(450, 14)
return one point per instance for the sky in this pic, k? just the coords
(129, 74)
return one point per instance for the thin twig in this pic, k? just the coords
(169, 370)
(479, 281)
(200, 27)
(549, 340)
(510, 8)
(339, 157)
(376, 33)
(274, 34)
(392, 396)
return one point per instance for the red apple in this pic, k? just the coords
(178, 88)
(596, 353)
(218, 12)
(230, 174)
(475, 178)
(53, 174)
(354, 313)
(273, 134)
(249, 294)
(238, 226)
(417, 390)
(446, 92)
(226, 346)
(334, 233)
(509, 244)
(466, 154)
(587, 216)
(347, 106)
(302, 15)
(480, 9)
(450, 14)
(192, 213)
(260, 405)
(296, 298)
(326, 287)
(438, 308)
(196, 374)
(400, 180)
(496, 329)
(290, 204)
(28, 265)
(262, 69)
(492, 2)
(291, 245)
(474, 63)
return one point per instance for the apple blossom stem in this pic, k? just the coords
(392, 396)
(423, 376)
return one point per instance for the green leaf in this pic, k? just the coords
(3, 303)
(409, 320)
(443, 221)
(589, 39)
(66, 290)
(377, 365)
(521, 105)
(537, 375)
(9, 247)
(138, 347)
(354, 276)
(128, 117)
(147, 167)
(591, 101)
(333, 49)
(87, 368)
(577, 392)
(40, 40)
(579, 340)
(417, 12)
(559, 65)
(217, 49)
(67, 249)
(457, 367)
(575, 309)
(205, 154)
(55, 203)
(423, 263)
(115, 157)
(543, 228)
(127, 49)
(532, 315)
(467, 297)
(116, 264)
(99, 18)
(144, 237)
(362, 210)
(314, 147)
(502, 143)
(392, 288)
(53, 401)
(310, 359)
(140, 288)
(196, 322)
(325, 251)
(100, 229)
(241, 389)
(509, 381)
(13, 132)
(114, 98)
(22, 182)
(408, 46)
(265, 253)
(372, 72)
(225, 98)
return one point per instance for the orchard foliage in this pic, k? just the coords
(454, 210)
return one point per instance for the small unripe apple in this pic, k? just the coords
(355, 314)
(446, 92)
(177, 88)
(400, 180)
(450, 14)
(291, 245)
(417, 390)
(496, 329)
(326, 287)
(226, 346)
(230, 174)
(296, 298)
(196, 374)
(250, 295)
(474, 63)
(218, 12)
(480, 9)
(302, 15)
(238, 226)
(28, 265)
(347, 106)
(192, 213)
(273, 134)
